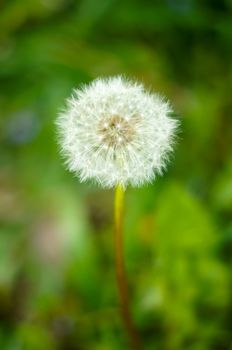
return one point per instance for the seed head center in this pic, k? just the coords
(115, 131)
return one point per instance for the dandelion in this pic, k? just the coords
(115, 133)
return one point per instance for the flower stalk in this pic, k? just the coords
(122, 284)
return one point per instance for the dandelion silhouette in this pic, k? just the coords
(115, 133)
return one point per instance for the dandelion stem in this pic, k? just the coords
(120, 270)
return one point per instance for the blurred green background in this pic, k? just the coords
(57, 278)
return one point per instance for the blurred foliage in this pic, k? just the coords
(57, 279)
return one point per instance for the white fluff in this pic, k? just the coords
(114, 132)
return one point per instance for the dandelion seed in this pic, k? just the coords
(128, 131)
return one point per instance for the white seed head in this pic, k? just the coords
(114, 132)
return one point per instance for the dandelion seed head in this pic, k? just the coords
(114, 132)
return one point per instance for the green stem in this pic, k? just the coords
(120, 270)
